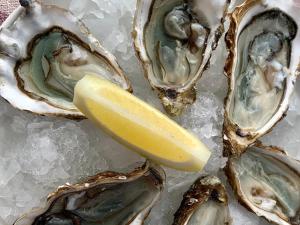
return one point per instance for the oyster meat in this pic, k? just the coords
(108, 198)
(262, 65)
(44, 51)
(267, 182)
(174, 40)
(206, 203)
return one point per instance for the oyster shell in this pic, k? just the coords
(44, 51)
(267, 182)
(107, 198)
(263, 62)
(174, 40)
(206, 203)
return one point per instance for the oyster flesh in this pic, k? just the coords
(206, 203)
(108, 198)
(267, 182)
(263, 62)
(174, 40)
(44, 51)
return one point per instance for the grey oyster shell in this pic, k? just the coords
(108, 198)
(205, 203)
(44, 51)
(263, 62)
(267, 182)
(174, 40)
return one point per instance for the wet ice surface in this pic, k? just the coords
(39, 153)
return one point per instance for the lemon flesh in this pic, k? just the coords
(139, 126)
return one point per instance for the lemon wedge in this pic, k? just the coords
(139, 126)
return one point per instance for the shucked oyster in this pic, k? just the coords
(174, 40)
(263, 62)
(44, 51)
(205, 203)
(108, 198)
(267, 182)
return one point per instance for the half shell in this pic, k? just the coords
(267, 182)
(108, 198)
(44, 51)
(262, 65)
(174, 40)
(206, 203)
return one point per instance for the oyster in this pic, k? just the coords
(44, 51)
(206, 203)
(108, 198)
(174, 40)
(267, 182)
(263, 62)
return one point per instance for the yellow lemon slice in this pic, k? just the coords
(139, 126)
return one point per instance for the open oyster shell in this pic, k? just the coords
(262, 65)
(267, 182)
(206, 203)
(174, 40)
(108, 198)
(44, 51)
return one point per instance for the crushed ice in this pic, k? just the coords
(38, 153)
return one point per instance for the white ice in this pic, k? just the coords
(39, 153)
